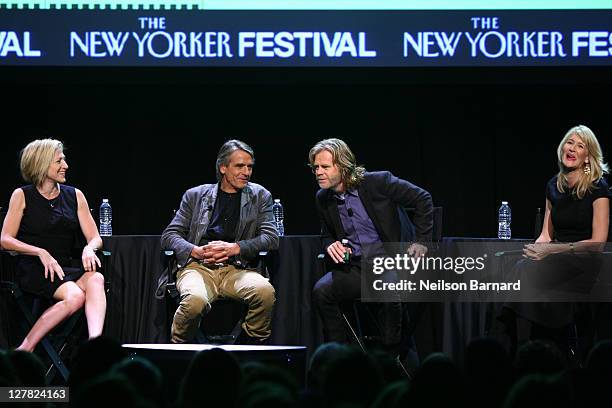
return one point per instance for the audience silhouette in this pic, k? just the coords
(338, 376)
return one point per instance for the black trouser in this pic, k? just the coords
(342, 284)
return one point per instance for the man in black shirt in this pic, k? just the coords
(217, 234)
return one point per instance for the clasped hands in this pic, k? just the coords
(215, 251)
(336, 251)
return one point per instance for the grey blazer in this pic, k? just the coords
(256, 230)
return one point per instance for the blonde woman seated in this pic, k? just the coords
(564, 258)
(41, 225)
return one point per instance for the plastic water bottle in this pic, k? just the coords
(279, 217)
(504, 220)
(106, 219)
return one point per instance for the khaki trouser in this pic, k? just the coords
(199, 285)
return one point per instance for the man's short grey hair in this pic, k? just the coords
(227, 149)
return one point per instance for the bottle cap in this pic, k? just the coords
(344, 241)
(504, 202)
(105, 200)
(277, 200)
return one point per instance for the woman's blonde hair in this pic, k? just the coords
(36, 158)
(350, 173)
(586, 182)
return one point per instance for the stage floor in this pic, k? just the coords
(226, 347)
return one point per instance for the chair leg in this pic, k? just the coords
(201, 338)
(61, 340)
(56, 361)
(352, 332)
(220, 316)
(575, 352)
(236, 331)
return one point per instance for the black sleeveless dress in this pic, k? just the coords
(54, 226)
(572, 219)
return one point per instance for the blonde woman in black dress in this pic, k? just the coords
(42, 224)
(577, 199)
(564, 259)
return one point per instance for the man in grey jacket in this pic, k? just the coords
(217, 234)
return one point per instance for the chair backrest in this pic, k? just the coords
(538, 223)
(436, 233)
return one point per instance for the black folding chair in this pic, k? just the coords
(581, 330)
(30, 307)
(360, 318)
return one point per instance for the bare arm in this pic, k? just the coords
(9, 241)
(90, 231)
(12, 221)
(601, 220)
(548, 229)
(599, 235)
